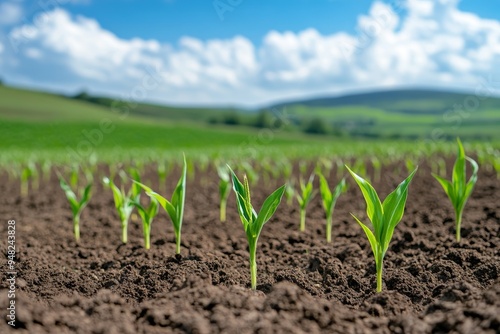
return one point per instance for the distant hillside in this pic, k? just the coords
(402, 101)
(397, 114)
(156, 111)
(32, 121)
(409, 114)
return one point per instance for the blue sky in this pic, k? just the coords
(253, 53)
(170, 20)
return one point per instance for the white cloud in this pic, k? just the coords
(434, 44)
(10, 13)
(33, 53)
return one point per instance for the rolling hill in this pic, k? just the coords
(407, 114)
(30, 119)
(35, 121)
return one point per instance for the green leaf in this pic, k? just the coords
(470, 184)
(458, 177)
(268, 209)
(86, 195)
(117, 194)
(326, 194)
(70, 195)
(223, 173)
(165, 204)
(248, 200)
(394, 206)
(373, 206)
(339, 189)
(447, 186)
(152, 209)
(224, 190)
(240, 198)
(369, 235)
(135, 190)
(179, 197)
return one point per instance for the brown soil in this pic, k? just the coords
(432, 284)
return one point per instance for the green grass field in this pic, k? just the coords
(36, 125)
(34, 122)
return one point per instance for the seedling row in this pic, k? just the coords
(327, 179)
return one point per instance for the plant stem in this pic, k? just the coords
(458, 226)
(124, 232)
(24, 188)
(253, 263)
(147, 237)
(380, 269)
(178, 242)
(329, 228)
(223, 211)
(302, 220)
(76, 227)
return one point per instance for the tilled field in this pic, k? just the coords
(432, 284)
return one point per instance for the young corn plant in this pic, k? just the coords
(29, 173)
(253, 222)
(124, 201)
(384, 216)
(174, 207)
(147, 216)
(162, 170)
(224, 190)
(496, 166)
(329, 200)
(304, 198)
(290, 192)
(77, 206)
(377, 168)
(458, 189)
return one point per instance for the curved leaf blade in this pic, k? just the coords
(268, 209)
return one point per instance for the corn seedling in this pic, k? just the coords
(496, 165)
(224, 190)
(46, 168)
(304, 197)
(28, 173)
(290, 192)
(458, 189)
(303, 167)
(286, 169)
(252, 175)
(77, 206)
(174, 207)
(410, 165)
(253, 222)
(324, 166)
(360, 167)
(384, 216)
(124, 201)
(162, 175)
(147, 216)
(340, 167)
(329, 199)
(377, 168)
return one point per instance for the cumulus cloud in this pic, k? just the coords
(429, 43)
